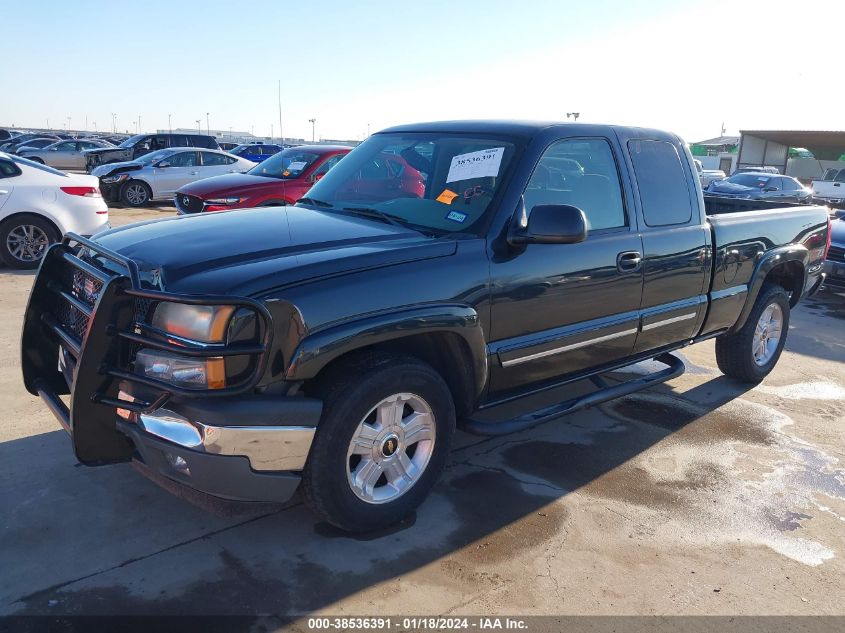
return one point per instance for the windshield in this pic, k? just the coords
(131, 140)
(749, 180)
(287, 164)
(431, 181)
(148, 159)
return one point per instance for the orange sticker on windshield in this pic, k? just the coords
(285, 173)
(447, 196)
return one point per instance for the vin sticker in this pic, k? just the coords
(456, 216)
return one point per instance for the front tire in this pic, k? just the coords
(382, 442)
(135, 194)
(24, 239)
(752, 352)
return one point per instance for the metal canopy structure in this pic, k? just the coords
(771, 147)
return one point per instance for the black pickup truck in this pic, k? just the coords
(437, 272)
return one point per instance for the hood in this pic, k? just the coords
(221, 186)
(105, 170)
(837, 232)
(250, 251)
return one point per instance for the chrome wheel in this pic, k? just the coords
(27, 243)
(136, 194)
(391, 448)
(767, 334)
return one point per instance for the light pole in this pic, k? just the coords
(207, 124)
(139, 124)
(114, 123)
(199, 129)
(281, 131)
(368, 130)
(68, 123)
(169, 127)
(312, 121)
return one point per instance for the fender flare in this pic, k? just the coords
(769, 261)
(318, 349)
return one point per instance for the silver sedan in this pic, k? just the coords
(157, 176)
(64, 154)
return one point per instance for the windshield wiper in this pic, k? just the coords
(375, 214)
(316, 203)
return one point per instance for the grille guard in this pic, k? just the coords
(101, 343)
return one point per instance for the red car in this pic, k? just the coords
(281, 179)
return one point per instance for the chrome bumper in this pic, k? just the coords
(266, 447)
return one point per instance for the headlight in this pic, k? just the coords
(223, 201)
(192, 373)
(206, 324)
(113, 179)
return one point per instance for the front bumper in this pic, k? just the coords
(83, 325)
(248, 462)
(834, 273)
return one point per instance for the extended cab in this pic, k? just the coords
(334, 345)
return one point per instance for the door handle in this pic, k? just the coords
(629, 261)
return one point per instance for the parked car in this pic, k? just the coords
(157, 176)
(36, 143)
(282, 179)
(227, 146)
(39, 204)
(761, 186)
(64, 154)
(351, 332)
(834, 265)
(759, 169)
(140, 144)
(21, 139)
(830, 189)
(257, 152)
(6, 135)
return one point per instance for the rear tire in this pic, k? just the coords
(382, 442)
(751, 353)
(24, 239)
(135, 193)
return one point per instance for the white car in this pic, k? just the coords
(157, 175)
(39, 204)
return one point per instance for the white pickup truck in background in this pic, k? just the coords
(831, 189)
(706, 176)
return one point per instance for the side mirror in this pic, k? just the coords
(317, 177)
(550, 224)
(163, 163)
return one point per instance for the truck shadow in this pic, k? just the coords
(115, 544)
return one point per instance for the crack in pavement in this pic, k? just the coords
(136, 559)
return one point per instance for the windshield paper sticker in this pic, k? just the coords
(447, 196)
(456, 217)
(476, 164)
(297, 166)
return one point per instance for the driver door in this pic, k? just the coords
(561, 309)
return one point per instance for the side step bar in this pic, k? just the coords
(675, 367)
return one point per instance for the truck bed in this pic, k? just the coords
(719, 204)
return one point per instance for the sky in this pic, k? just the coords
(353, 66)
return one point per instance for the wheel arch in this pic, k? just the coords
(39, 214)
(449, 338)
(786, 267)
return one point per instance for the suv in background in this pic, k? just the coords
(140, 144)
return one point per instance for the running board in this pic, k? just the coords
(675, 367)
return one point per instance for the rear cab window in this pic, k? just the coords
(665, 196)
